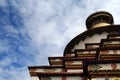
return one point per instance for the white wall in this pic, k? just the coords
(35, 78)
(96, 38)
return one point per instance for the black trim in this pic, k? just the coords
(90, 32)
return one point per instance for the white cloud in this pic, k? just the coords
(14, 73)
(3, 46)
(3, 3)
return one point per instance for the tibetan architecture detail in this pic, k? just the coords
(92, 55)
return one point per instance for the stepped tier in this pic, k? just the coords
(102, 68)
(92, 45)
(93, 54)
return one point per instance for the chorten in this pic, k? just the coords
(91, 55)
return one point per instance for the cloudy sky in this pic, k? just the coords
(32, 30)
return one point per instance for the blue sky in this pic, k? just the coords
(32, 30)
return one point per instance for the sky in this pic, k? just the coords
(33, 30)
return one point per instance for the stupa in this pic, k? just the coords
(91, 55)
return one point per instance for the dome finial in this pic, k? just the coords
(99, 19)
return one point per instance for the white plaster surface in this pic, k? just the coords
(96, 38)
(35, 78)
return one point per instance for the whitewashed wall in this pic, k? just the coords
(74, 78)
(35, 78)
(112, 78)
(96, 38)
(61, 78)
